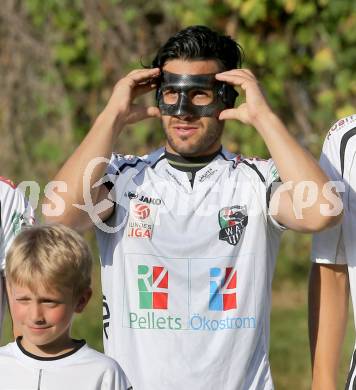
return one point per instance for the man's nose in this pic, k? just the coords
(183, 105)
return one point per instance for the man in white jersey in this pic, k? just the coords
(14, 213)
(187, 243)
(333, 272)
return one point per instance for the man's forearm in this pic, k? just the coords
(328, 312)
(297, 167)
(293, 162)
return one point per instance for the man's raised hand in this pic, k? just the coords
(121, 105)
(255, 104)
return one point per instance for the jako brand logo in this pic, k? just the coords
(141, 211)
(222, 295)
(143, 198)
(153, 287)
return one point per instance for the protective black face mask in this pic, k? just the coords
(194, 95)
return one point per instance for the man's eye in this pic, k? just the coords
(196, 93)
(201, 97)
(170, 96)
(169, 92)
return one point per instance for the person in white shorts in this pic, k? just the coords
(15, 212)
(48, 273)
(186, 239)
(333, 272)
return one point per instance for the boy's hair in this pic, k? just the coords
(200, 43)
(52, 255)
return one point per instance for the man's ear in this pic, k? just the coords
(83, 300)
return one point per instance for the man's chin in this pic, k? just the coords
(185, 151)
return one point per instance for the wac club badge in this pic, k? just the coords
(232, 221)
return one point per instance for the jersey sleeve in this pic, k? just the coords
(273, 181)
(328, 245)
(118, 173)
(15, 213)
(330, 158)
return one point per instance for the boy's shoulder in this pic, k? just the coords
(84, 354)
(111, 367)
(93, 354)
(8, 357)
(7, 350)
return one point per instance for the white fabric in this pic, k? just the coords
(14, 213)
(338, 244)
(160, 270)
(85, 369)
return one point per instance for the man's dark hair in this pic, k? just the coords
(200, 43)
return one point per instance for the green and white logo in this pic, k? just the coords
(232, 221)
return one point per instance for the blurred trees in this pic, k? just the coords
(59, 60)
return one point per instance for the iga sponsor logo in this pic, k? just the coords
(152, 287)
(233, 221)
(141, 211)
(222, 295)
(140, 223)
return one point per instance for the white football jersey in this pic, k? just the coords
(83, 369)
(338, 244)
(14, 213)
(187, 272)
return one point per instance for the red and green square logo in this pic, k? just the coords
(152, 287)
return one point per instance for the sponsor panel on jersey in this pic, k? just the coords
(152, 304)
(203, 298)
(141, 220)
(153, 287)
(222, 289)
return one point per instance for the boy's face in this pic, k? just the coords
(188, 135)
(43, 317)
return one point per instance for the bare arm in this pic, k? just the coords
(98, 143)
(328, 313)
(293, 162)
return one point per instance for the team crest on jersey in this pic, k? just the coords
(18, 220)
(233, 221)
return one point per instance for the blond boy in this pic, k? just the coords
(48, 273)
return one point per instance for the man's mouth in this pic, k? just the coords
(185, 129)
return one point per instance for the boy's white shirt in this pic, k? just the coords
(84, 369)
